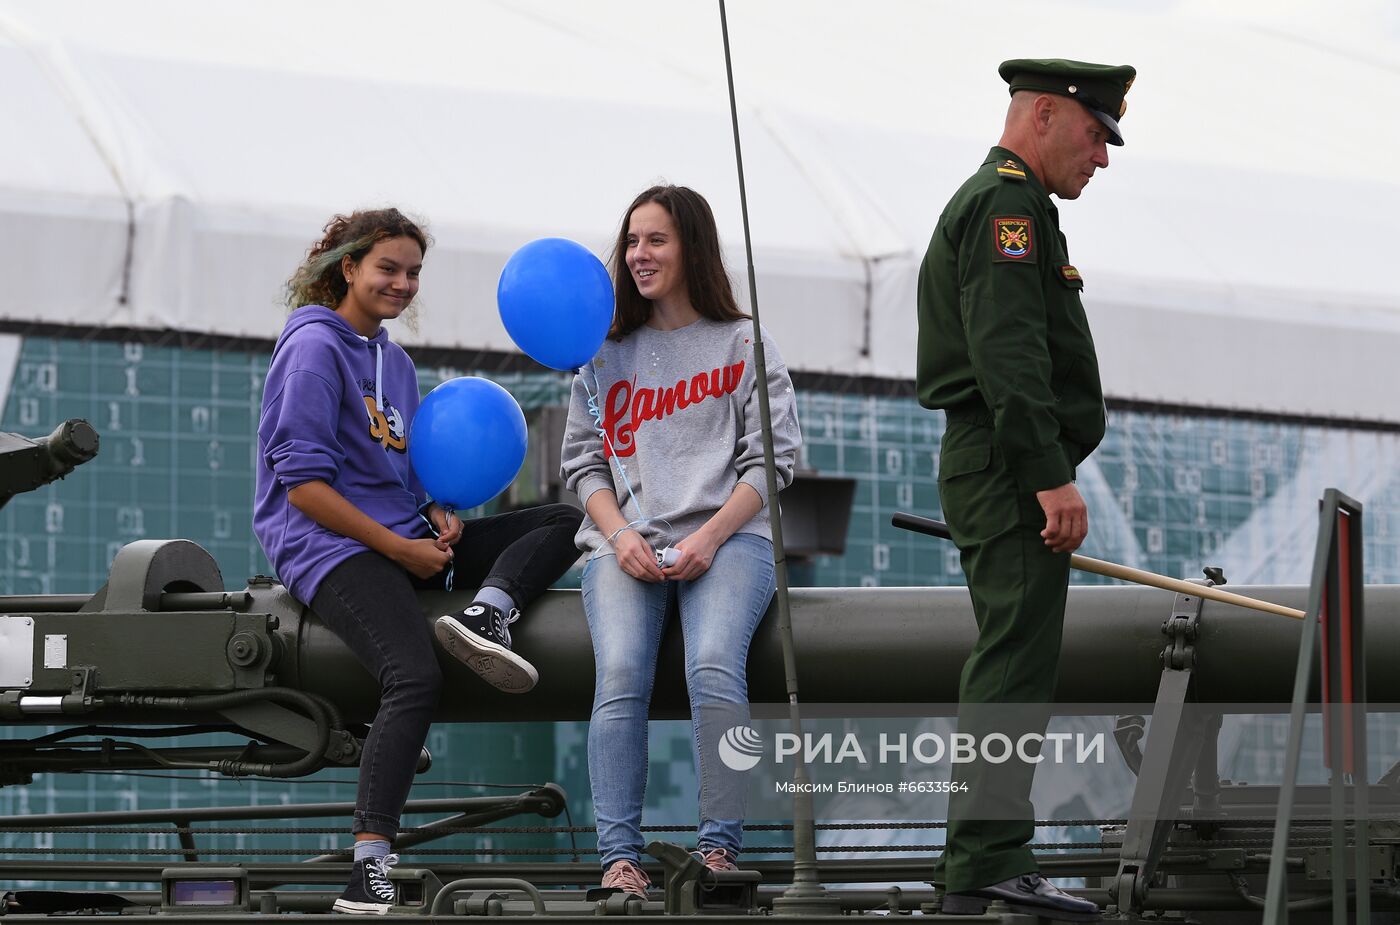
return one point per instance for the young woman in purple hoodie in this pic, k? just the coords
(350, 531)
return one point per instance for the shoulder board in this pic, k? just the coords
(1011, 170)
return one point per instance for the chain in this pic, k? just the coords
(545, 852)
(510, 830)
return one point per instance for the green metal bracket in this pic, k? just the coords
(1334, 614)
(691, 888)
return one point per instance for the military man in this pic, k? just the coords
(1005, 351)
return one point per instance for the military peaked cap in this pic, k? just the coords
(1100, 87)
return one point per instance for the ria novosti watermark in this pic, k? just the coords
(887, 758)
(915, 761)
(741, 748)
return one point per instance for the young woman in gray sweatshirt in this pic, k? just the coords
(664, 449)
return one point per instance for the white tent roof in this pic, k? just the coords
(1236, 253)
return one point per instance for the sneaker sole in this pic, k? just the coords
(497, 665)
(973, 905)
(594, 894)
(350, 907)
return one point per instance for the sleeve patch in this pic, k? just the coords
(1012, 239)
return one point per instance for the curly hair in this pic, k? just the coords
(318, 281)
(707, 281)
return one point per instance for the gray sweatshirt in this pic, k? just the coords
(681, 414)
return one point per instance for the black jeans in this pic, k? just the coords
(369, 602)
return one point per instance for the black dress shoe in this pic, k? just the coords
(1030, 894)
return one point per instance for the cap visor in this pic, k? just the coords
(1115, 137)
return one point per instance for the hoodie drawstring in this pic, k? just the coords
(379, 406)
(378, 376)
(379, 403)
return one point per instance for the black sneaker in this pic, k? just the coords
(369, 892)
(1029, 894)
(479, 637)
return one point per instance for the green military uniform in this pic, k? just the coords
(1005, 350)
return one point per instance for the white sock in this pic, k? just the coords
(496, 598)
(371, 848)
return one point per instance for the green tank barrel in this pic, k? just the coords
(163, 629)
(886, 646)
(27, 464)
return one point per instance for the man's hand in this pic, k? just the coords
(1066, 517)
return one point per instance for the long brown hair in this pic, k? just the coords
(706, 280)
(319, 280)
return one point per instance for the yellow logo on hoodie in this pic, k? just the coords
(386, 430)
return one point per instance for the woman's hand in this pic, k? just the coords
(423, 558)
(697, 552)
(329, 508)
(447, 525)
(636, 557)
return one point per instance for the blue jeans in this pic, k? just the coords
(719, 612)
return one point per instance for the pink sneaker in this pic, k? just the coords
(628, 877)
(716, 858)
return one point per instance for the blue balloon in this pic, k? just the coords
(467, 442)
(556, 301)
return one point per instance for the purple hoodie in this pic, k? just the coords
(336, 407)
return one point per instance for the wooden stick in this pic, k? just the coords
(1121, 572)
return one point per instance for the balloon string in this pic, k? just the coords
(597, 413)
(447, 581)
